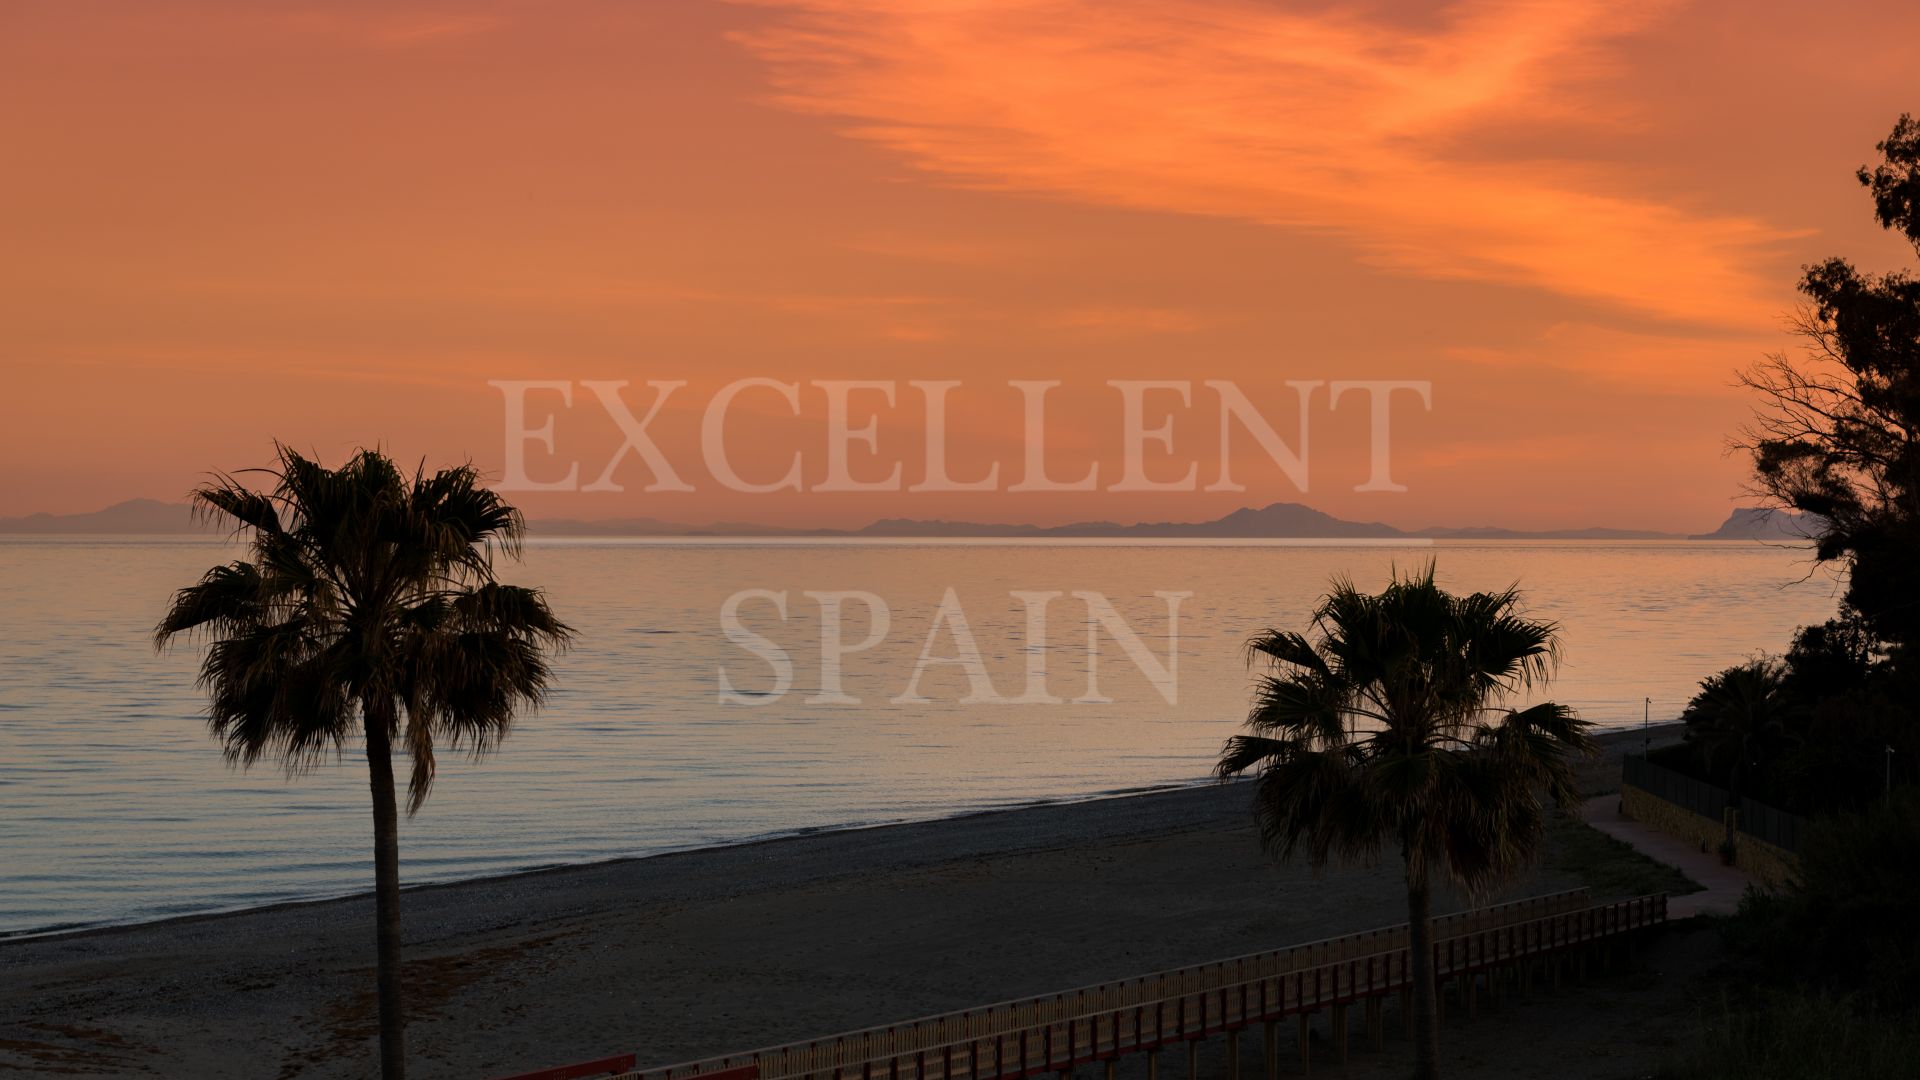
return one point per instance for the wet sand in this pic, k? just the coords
(685, 955)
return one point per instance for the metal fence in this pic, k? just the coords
(1053, 1033)
(1762, 822)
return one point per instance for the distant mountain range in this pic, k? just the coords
(1277, 521)
(135, 517)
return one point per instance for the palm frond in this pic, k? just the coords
(1243, 752)
(1375, 728)
(1315, 803)
(1300, 706)
(227, 599)
(368, 594)
(244, 508)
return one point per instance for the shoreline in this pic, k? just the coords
(802, 833)
(667, 955)
(1613, 742)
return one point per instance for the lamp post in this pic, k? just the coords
(1646, 728)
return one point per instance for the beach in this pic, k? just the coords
(686, 955)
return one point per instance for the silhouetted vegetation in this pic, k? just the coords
(1826, 978)
(367, 598)
(1810, 732)
(1828, 969)
(1770, 1034)
(1846, 924)
(1837, 436)
(1384, 729)
(1839, 433)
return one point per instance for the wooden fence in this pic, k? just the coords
(1055, 1033)
(1758, 820)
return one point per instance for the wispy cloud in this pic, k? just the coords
(1645, 362)
(1397, 136)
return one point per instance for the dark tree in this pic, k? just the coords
(1737, 723)
(1386, 730)
(1838, 433)
(367, 607)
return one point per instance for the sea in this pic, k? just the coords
(725, 691)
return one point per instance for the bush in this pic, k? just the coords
(1817, 741)
(1846, 925)
(1798, 1035)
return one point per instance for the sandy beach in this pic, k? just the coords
(685, 955)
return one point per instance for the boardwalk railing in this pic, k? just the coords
(1053, 1033)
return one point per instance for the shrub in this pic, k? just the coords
(1798, 1035)
(1846, 924)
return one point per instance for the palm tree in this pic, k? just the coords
(366, 596)
(1737, 715)
(1385, 727)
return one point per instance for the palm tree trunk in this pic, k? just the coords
(386, 892)
(1426, 998)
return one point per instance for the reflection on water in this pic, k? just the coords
(114, 804)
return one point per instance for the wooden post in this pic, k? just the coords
(1406, 1012)
(1233, 1054)
(1306, 1041)
(1472, 987)
(1376, 1023)
(1340, 1034)
(1270, 1036)
(1193, 1059)
(1113, 1068)
(1153, 1064)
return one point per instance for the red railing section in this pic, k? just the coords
(611, 1066)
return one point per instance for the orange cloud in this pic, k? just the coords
(1627, 358)
(1325, 120)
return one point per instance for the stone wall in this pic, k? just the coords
(1771, 865)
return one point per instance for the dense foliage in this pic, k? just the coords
(1829, 967)
(1810, 732)
(1845, 924)
(1832, 724)
(1771, 1034)
(1839, 433)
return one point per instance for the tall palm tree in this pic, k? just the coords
(1386, 727)
(1736, 717)
(366, 597)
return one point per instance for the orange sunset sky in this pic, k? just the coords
(333, 224)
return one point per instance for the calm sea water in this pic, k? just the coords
(116, 806)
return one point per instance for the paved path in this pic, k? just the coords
(1723, 885)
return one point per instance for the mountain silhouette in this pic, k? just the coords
(1756, 523)
(1276, 521)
